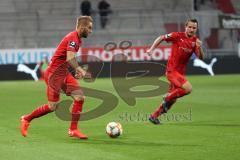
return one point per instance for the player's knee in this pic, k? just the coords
(188, 89)
(53, 105)
(77, 95)
(79, 98)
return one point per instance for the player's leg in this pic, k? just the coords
(53, 99)
(40, 111)
(78, 101)
(74, 131)
(163, 108)
(179, 87)
(36, 113)
(187, 86)
(182, 86)
(171, 98)
(73, 89)
(185, 89)
(174, 92)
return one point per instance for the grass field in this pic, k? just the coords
(203, 125)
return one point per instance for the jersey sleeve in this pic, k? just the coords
(171, 37)
(72, 45)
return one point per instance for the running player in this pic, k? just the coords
(58, 78)
(184, 44)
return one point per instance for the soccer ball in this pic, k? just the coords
(114, 129)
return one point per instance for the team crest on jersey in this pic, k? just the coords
(168, 35)
(193, 44)
(72, 44)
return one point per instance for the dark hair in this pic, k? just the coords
(192, 20)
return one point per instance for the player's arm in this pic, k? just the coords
(155, 44)
(71, 59)
(199, 49)
(171, 37)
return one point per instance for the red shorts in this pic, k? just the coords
(176, 79)
(57, 83)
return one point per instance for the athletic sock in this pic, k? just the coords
(157, 112)
(38, 112)
(76, 110)
(160, 109)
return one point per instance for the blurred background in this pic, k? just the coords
(31, 29)
(203, 125)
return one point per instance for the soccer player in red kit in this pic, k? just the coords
(184, 44)
(58, 78)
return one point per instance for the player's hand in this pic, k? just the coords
(78, 76)
(198, 43)
(88, 75)
(149, 52)
(80, 73)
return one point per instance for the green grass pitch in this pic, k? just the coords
(202, 125)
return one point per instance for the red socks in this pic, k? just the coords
(38, 112)
(44, 109)
(160, 109)
(76, 110)
(170, 99)
(179, 92)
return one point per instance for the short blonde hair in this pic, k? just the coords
(83, 21)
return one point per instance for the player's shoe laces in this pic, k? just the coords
(154, 120)
(76, 133)
(24, 126)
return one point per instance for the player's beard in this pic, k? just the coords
(190, 34)
(84, 34)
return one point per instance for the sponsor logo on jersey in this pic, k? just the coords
(186, 50)
(193, 44)
(72, 44)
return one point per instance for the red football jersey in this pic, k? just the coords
(71, 42)
(182, 49)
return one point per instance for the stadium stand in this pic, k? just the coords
(42, 23)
